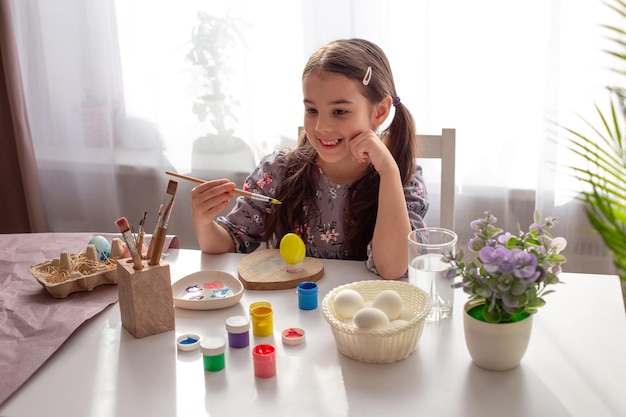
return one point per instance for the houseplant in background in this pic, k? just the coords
(506, 282)
(603, 151)
(214, 44)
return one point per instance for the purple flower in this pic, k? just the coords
(491, 242)
(525, 264)
(477, 224)
(558, 244)
(503, 238)
(497, 259)
(452, 273)
(518, 288)
(512, 301)
(536, 229)
(550, 222)
(475, 244)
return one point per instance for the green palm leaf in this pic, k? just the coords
(604, 152)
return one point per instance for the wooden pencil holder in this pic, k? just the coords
(145, 297)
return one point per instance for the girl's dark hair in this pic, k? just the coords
(350, 58)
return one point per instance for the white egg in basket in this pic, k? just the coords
(379, 345)
(347, 302)
(390, 302)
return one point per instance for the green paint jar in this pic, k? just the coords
(212, 349)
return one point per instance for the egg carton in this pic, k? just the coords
(385, 345)
(76, 272)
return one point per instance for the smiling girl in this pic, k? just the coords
(349, 191)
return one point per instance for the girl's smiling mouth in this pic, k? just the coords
(329, 142)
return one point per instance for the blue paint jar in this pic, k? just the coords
(307, 295)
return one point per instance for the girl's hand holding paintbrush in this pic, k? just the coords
(208, 200)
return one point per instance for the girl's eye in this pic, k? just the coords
(340, 112)
(309, 110)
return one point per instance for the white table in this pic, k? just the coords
(575, 364)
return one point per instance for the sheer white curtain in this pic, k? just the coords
(110, 94)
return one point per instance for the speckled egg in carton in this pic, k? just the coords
(82, 271)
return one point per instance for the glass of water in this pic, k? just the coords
(428, 271)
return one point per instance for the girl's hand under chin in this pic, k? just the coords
(367, 146)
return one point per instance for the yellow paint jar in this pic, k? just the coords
(262, 321)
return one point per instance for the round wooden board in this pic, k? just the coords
(265, 269)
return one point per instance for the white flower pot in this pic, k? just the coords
(496, 346)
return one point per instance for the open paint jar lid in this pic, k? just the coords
(293, 336)
(188, 342)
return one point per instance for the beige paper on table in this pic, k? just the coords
(33, 324)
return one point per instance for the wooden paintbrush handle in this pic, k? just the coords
(157, 248)
(150, 247)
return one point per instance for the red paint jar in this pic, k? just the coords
(264, 357)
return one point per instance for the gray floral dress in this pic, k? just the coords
(246, 222)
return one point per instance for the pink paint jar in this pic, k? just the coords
(264, 357)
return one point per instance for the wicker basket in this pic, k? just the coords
(378, 345)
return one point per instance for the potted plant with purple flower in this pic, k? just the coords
(506, 282)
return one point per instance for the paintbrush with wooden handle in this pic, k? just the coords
(162, 223)
(237, 191)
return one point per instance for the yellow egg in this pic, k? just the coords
(292, 249)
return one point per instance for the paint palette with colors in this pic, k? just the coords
(207, 290)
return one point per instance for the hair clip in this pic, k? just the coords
(396, 101)
(368, 76)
